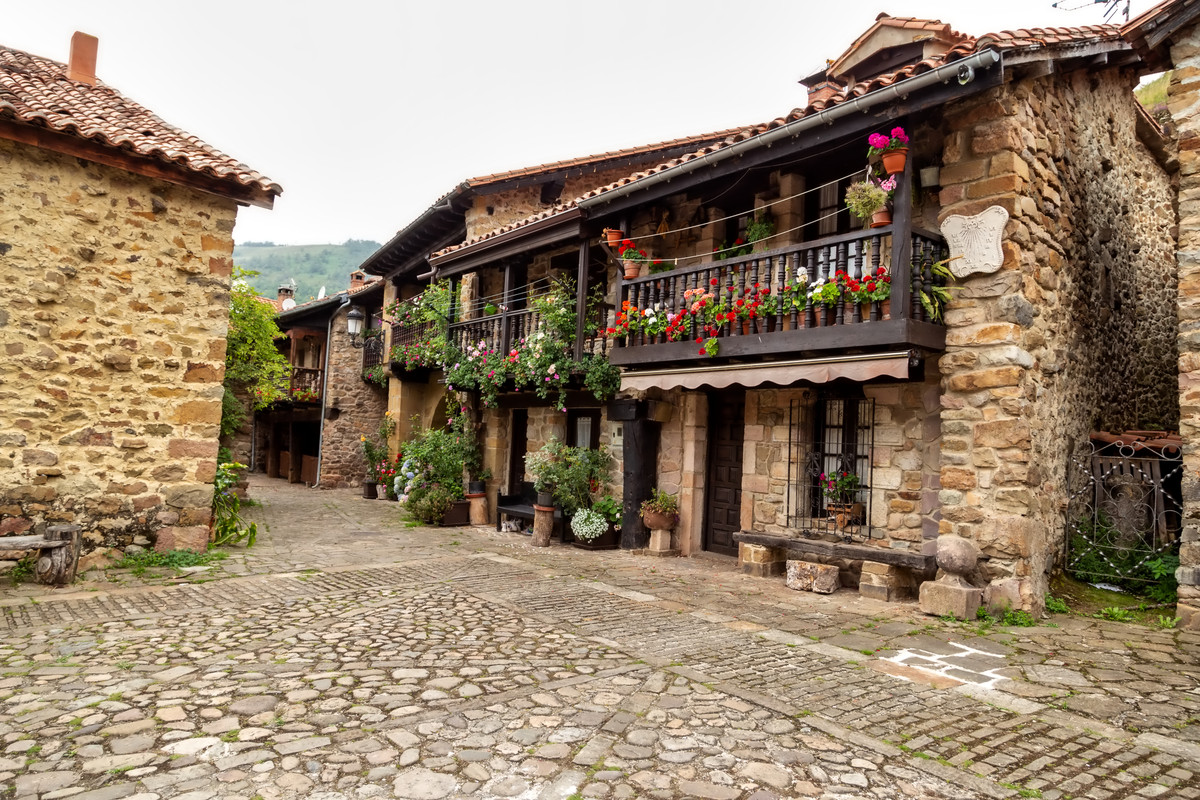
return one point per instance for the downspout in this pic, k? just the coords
(962, 70)
(325, 386)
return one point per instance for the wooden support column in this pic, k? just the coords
(580, 299)
(640, 452)
(295, 459)
(902, 215)
(505, 304)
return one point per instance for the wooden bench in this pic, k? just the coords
(520, 505)
(57, 549)
(854, 552)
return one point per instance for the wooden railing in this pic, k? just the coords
(305, 385)
(510, 329)
(373, 354)
(857, 254)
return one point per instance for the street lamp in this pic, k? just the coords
(354, 326)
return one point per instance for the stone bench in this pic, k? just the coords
(57, 549)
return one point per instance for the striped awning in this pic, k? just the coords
(779, 373)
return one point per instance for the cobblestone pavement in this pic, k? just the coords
(349, 656)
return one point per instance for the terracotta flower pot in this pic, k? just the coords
(658, 521)
(881, 218)
(894, 160)
(885, 309)
(632, 269)
(612, 236)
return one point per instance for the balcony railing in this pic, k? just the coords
(305, 385)
(373, 354)
(790, 329)
(506, 330)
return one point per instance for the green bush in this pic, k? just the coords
(430, 505)
(1097, 558)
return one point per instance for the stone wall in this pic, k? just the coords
(353, 408)
(1072, 333)
(1183, 101)
(904, 461)
(114, 306)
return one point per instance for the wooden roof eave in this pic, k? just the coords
(146, 166)
(551, 230)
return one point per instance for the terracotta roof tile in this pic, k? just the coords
(36, 91)
(1026, 39)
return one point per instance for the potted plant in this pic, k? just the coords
(841, 497)
(760, 229)
(479, 485)
(631, 259)
(865, 199)
(661, 511)
(612, 236)
(892, 150)
(375, 451)
(825, 294)
(541, 466)
(596, 528)
(879, 290)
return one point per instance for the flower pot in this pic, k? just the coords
(612, 236)
(632, 269)
(885, 309)
(894, 160)
(545, 499)
(844, 514)
(825, 315)
(609, 540)
(459, 513)
(881, 218)
(655, 520)
(369, 490)
(476, 487)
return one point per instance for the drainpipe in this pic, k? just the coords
(325, 386)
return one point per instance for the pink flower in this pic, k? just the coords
(899, 135)
(878, 141)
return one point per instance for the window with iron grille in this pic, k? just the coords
(831, 436)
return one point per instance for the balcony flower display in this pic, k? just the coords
(891, 149)
(305, 395)
(825, 292)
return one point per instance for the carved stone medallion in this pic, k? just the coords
(975, 241)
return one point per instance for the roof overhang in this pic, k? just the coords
(779, 373)
(77, 147)
(564, 226)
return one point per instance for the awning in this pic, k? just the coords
(781, 373)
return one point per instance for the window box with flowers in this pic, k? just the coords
(419, 329)
(306, 395)
(825, 294)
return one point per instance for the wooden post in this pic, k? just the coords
(902, 241)
(58, 566)
(580, 298)
(543, 525)
(640, 451)
(506, 303)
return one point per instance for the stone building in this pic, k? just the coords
(115, 261)
(314, 436)
(1054, 192)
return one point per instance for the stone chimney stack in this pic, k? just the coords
(82, 65)
(357, 278)
(286, 292)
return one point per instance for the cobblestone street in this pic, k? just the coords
(349, 656)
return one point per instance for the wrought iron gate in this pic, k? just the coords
(833, 436)
(1124, 513)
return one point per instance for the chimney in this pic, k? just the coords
(82, 65)
(357, 279)
(285, 292)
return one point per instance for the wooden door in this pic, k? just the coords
(516, 452)
(723, 489)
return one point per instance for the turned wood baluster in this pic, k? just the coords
(876, 246)
(842, 256)
(856, 311)
(811, 258)
(918, 284)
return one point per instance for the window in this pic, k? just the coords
(583, 428)
(830, 436)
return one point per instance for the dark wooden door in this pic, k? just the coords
(517, 446)
(723, 489)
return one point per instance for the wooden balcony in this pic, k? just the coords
(793, 332)
(305, 385)
(506, 330)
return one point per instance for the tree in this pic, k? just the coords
(251, 358)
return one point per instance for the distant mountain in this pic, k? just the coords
(311, 266)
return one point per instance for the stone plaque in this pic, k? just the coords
(975, 241)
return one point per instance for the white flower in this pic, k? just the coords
(551, 370)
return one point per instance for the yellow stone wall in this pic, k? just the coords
(114, 306)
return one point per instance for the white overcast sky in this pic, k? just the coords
(367, 112)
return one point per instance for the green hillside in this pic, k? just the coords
(311, 266)
(1153, 95)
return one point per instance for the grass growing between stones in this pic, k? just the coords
(1084, 600)
(138, 563)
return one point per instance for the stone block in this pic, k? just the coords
(885, 582)
(760, 561)
(660, 539)
(194, 538)
(1189, 616)
(805, 576)
(941, 599)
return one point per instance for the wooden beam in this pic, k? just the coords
(145, 166)
(856, 552)
(901, 242)
(856, 338)
(581, 275)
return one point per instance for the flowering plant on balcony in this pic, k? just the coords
(879, 143)
(878, 285)
(628, 251)
(305, 395)
(864, 198)
(794, 294)
(825, 292)
(377, 374)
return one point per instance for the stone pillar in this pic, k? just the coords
(1183, 96)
